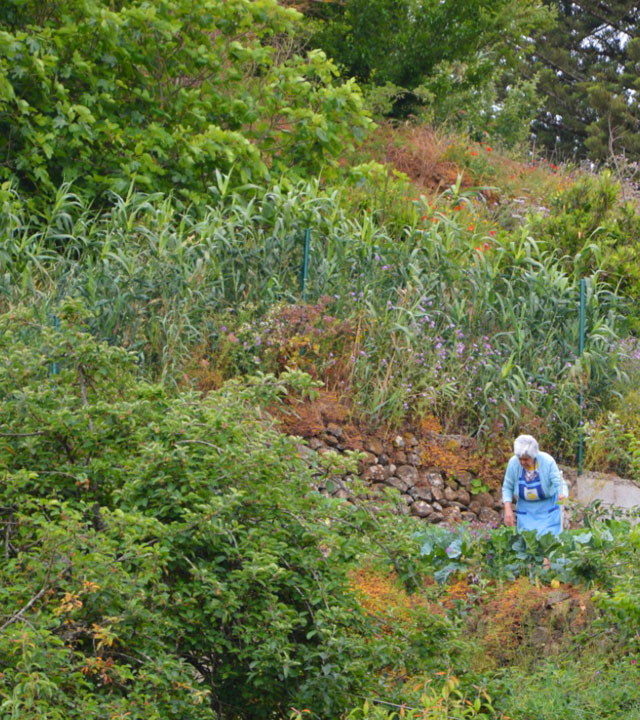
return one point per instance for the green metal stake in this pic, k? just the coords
(56, 326)
(305, 264)
(583, 284)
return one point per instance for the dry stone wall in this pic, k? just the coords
(429, 492)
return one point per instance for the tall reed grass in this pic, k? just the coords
(479, 335)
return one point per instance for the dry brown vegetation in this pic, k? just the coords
(521, 619)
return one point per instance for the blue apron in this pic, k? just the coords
(536, 511)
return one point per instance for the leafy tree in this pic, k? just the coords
(163, 95)
(164, 556)
(588, 68)
(420, 46)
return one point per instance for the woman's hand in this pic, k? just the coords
(509, 517)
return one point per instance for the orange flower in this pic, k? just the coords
(471, 227)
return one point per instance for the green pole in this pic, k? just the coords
(581, 350)
(56, 326)
(305, 264)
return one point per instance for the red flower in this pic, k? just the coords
(492, 232)
(474, 153)
(457, 207)
(424, 217)
(488, 149)
(471, 227)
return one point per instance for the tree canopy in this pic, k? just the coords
(164, 94)
(588, 68)
(405, 42)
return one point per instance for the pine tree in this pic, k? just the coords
(588, 66)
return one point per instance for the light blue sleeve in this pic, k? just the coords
(555, 478)
(510, 480)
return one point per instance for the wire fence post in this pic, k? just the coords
(581, 350)
(305, 264)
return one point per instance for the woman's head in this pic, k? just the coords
(526, 448)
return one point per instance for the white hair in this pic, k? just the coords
(526, 445)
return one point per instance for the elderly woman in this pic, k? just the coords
(533, 477)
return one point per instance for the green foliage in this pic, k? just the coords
(500, 110)
(86, 631)
(587, 66)
(164, 555)
(406, 45)
(448, 65)
(446, 703)
(594, 225)
(584, 684)
(162, 96)
(576, 556)
(587, 221)
(162, 281)
(612, 438)
(478, 486)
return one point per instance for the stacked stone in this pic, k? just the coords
(435, 494)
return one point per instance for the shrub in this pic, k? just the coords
(159, 97)
(591, 223)
(164, 555)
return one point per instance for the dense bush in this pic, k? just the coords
(163, 555)
(593, 224)
(160, 95)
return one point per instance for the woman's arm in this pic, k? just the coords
(509, 516)
(508, 485)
